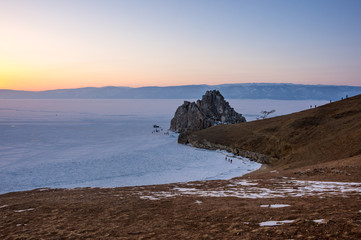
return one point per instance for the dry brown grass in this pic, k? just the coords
(121, 213)
(322, 134)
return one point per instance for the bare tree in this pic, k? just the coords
(265, 114)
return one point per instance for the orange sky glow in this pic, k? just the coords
(47, 45)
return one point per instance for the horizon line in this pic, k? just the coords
(150, 86)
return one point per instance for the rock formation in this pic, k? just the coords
(211, 110)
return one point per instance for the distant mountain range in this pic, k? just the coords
(281, 91)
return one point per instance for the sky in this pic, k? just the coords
(48, 44)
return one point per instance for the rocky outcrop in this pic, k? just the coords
(211, 110)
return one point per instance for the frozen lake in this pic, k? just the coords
(109, 143)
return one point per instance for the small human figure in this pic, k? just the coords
(231, 160)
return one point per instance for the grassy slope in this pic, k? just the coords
(326, 133)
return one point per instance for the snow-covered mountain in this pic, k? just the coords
(280, 91)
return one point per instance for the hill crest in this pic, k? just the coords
(325, 133)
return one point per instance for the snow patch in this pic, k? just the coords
(320, 221)
(279, 205)
(244, 183)
(43, 189)
(24, 210)
(4, 206)
(19, 225)
(186, 190)
(149, 198)
(275, 206)
(275, 223)
(281, 189)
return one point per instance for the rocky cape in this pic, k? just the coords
(212, 110)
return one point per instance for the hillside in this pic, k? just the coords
(325, 133)
(229, 91)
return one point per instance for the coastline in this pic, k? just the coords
(251, 206)
(307, 198)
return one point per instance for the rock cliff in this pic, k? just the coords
(211, 110)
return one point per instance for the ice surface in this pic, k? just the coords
(107, 143)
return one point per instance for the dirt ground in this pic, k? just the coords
(230, 209)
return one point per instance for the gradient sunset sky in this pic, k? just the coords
(48, 44)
